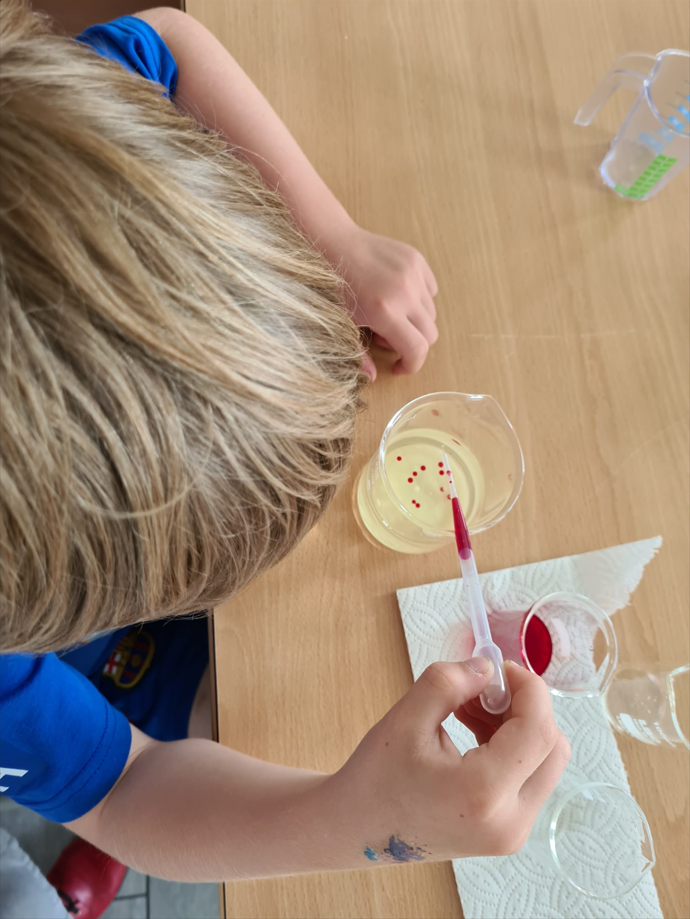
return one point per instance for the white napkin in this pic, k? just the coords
(528, 884)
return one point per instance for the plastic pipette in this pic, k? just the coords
(496, 697)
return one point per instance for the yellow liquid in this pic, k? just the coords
(421, 518)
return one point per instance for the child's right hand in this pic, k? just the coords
(407, 779)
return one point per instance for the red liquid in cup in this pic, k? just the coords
(530, 646)
(537, 645)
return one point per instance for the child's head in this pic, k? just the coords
(179, 380)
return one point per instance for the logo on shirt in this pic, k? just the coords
(21, 768)
(14, 772)
(131, 659)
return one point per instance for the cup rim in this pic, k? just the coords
(683, 668)
(464, 397)
(553, 825)
(608, 628)
(649, 80)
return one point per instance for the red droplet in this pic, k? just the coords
(399, 458)
(414, 473)
(409, 480)
(435, 411)
(442, 488)
(418, 504)
(413, 501)
(440, 465)
(448, 496)
(423, 468)
(448, 472)
(441, 472)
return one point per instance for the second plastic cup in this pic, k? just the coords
(401, 499)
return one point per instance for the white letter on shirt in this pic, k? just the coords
(4, 772)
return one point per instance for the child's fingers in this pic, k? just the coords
(429, 279)
(422, 320)
(529, 735)
(481, 730)
(428, 304)
(382, 342)
(410, 344)
(544, 779)
(441, 689)
(475, 709)
(369, 367)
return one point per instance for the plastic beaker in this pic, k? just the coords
(401, 498)
(600, 840)
(653, 143)
(651, 703)
(565, 638)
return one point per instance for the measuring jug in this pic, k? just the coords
(653, 143)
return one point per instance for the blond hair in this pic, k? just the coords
(179, 378)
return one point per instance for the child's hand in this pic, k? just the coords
(407, 779)
(392, 292)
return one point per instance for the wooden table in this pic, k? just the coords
(449, 125)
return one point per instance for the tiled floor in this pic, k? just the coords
(139, 897)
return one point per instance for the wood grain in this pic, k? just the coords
(449, 125)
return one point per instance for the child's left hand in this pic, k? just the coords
(392, 291)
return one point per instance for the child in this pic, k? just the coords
(179, 389)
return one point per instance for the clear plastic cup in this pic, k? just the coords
(653, 143)
(600, 840)
(651, 703)
(565, 638)
(401, 499)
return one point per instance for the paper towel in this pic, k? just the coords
(528, 884)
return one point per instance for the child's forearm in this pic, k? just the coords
(390, 287)
(196, 811)
(216, 91)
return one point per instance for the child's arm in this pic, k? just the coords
(196, 811)
(392, 284)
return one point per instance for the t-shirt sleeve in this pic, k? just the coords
(137, 46)
(62, 745)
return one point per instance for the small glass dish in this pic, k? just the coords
(401, 499)
(600, 840)
(651, 703)
(565, 638)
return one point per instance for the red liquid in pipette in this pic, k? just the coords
(537, 645)
(462, 535)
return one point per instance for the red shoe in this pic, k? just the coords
(86, 879)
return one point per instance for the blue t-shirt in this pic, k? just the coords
(62, 744)
(137, 46)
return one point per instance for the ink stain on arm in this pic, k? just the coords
(396, 852)
(400, 851)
